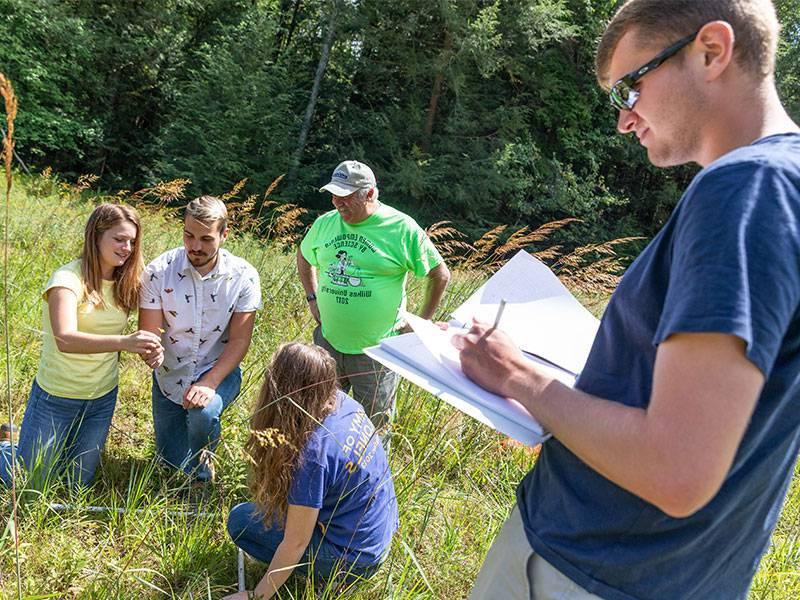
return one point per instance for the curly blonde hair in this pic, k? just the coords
(298, 392)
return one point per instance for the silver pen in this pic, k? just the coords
(500, 310)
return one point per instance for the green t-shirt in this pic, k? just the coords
(72, 375)
(362, 273)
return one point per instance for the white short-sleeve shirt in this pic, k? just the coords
(197, 311)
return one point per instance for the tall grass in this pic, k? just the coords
(455, 480)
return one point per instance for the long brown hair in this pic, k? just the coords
(127, 277)
(298, 392)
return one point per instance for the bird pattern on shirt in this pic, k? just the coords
(200, 321)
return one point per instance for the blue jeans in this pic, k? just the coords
(181, 434)
(61, 436)
(247, 530)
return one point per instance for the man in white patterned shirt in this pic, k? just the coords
(202, 300)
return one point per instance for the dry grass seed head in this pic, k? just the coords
(234, 191)
(450, 242)
(10, 99)
(593, 268)
(85, 182)
(286, 227)
(484, 247)
(273, 185)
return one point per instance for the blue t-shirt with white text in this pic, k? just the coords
(344, 473)
(727, 261)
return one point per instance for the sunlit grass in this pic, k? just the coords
(455, 481)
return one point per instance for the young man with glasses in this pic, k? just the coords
(670, 459)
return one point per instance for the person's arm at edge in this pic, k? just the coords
(300, 523)
(62, 306)
(308, 279)
(675, 453)
(437, 280)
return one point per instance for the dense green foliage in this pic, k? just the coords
(477, 111)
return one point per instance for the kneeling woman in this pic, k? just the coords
(87, 303)
(324, 498)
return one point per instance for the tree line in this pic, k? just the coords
(476, 111)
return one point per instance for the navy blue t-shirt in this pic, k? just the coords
(727, 261)
(345, 474)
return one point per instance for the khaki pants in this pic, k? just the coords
(512, 570)
(372, 384)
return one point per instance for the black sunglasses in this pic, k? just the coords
(622, 94)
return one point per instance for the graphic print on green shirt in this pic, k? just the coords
(362, 272)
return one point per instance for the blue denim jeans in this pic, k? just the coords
(181, 434)
(247, 530)
(61, 436)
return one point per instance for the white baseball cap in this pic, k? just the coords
(348, 177)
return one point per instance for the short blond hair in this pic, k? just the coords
(754, 22)
(208, 210)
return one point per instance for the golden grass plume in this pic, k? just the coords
(10, 100)
(161, 194)
(590, 270)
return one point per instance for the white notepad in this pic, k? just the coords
(540, 315)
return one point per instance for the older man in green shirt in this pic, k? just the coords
(353, 264)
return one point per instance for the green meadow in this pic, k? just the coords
(455, 479)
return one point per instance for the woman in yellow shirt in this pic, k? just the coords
(86, 308)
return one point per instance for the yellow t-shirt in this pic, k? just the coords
(80, 376)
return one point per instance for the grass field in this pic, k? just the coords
(454, 479)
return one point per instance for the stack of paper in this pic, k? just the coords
(540, 315)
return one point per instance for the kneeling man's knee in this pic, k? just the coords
(207, 414)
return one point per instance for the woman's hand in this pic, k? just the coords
(154, 359)
(142, 342)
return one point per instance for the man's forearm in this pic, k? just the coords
(233, 354)
(151, 320)
(674, 467)
(613, 439)
(436, 284)
(676, 451)
(307, 274)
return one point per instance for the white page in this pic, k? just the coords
(439, 346)
(524, 431)
(410, 349)
(541, 315)
(437, 341)
(429, 350)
